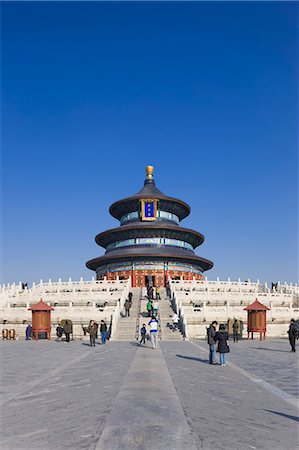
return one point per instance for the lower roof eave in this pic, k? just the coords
(95, 263)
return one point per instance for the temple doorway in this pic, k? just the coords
(149, 281)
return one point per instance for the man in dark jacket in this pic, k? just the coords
(292, 332)
(28, 332)
(211, 332)
(236, 330)
(59, 333)
(92, 330)
(67, 330)
(128, 305)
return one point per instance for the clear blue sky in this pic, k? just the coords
(93, 92)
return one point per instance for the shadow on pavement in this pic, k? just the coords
(136, 344)
(205, 361)
(296, 418)
(269, 349)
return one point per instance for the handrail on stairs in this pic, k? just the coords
(138, 315)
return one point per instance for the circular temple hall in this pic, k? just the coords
(149, 245)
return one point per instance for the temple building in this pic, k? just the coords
(149, 245)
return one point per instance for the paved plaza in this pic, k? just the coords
(56, 395)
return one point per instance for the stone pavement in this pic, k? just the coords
(58, 396)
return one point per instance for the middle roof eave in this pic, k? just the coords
(140, 231)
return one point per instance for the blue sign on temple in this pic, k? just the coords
(149, 209)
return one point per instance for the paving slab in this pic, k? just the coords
(64, 400)
(56, 395)
(224, 408)
(147, 413)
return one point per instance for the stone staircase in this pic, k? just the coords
(164, 317)
(126, 327)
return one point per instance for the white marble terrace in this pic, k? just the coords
(200, 302)
(79, 301)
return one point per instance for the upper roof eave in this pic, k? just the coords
(116, 210)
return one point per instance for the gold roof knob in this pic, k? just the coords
(149, 171)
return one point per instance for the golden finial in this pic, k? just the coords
(149, 172)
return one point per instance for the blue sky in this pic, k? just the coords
(93, 92)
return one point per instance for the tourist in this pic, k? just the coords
(92, 330)
(67, 330)
(59, 333)
(103, 331)
(150, 291)
(211, 332)
(155, 309)
(128, 305)
(236, 330)
(222, 347)
(175, 322)
(149, 307)
(168, 290)
(293, 332)
(143, 334)
(28, 332)
(153, 323)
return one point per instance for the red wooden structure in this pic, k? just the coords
(256, 322)
(41, 319)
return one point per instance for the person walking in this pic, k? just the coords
(67, 330)
(150, 292)
(130, 296)
(155, 309)
(149, 307)
(175, 322)
(143, 334)
(236, 330)
(211, 332)
(103, 331)
(292, 332)
(28, 332)
(128, 305)
(92, 330)
(153, 323)
(59, 333)
(222, 347)
(158, 293)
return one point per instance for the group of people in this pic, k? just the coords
(153, 328)
(92, 329)
(151, 292)
(218, 342)
(66, 329)
(93, 332)
(152, 307)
